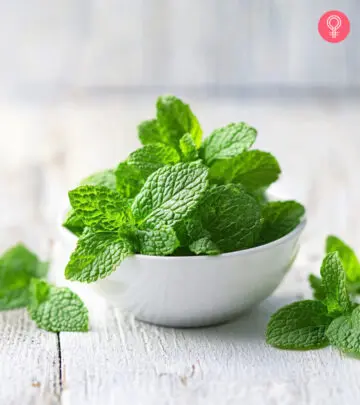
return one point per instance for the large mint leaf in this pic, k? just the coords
(188, 149)
(170, 194)
(17, 266)
(97, 255)
(232, 217)
(347, 256)
(280, 218)
(227, 142)
(157, 242)
(175, 119)
(149, 132)
(253, 169)
(99, 207)
(57, 309)
(299, 326)
(150, 158)
(334, 283)
(344, 332)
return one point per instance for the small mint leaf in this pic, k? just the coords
(57, 309)
(227, 142)
(175, 119)
(279, 219)
(204, 246)
(317, 287)
(106, 178)
(73, 223)
(129, 180)
(347, 256)
(188, 148)
(149, 132)
(299, 326)
(97, 255)
(344, 332)
(334, 283)
(253, 169)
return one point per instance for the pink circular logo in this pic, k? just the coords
(334, 26)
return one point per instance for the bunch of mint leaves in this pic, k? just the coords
(177, 195)
(333, 317)
(22, 284)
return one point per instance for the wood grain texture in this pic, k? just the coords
(29, 362)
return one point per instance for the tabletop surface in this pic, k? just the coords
(45, 150)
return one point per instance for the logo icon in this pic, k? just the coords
(334, 26)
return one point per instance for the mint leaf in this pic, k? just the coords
(97, 255)
(254, 169)
(157, 242)
(347, 256)
(334, 283)
(129, 180)
(57, 309)
(73, 223)
(17, 266)
(105, 178)
(100, 207)
(231, 216)
(149, 132)
(300, 326)
(152, 157)
(174, 118)
(170, 194)
(279, 219)
(188, 148)
(227, 142)
(344, 332)
(204, 246)
(318, 288)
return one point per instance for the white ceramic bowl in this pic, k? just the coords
(198, 290)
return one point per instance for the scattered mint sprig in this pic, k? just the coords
(332, 318)
(178, 195)
(21, 285)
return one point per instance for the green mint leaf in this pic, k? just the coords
(279, 219)
(227, 142)
(253, 169)
(57, 309)
(17, 266)
(231, 216)
(97, 255)
(129, 180)
(334, 283)
(149, 132)
(170, 194)
(175, 119)
(344, 332)
(150, 158)
(99, 207)
(105, 178)
(347, 256)
(317, 287)
(204, 246)
(157, 242)
(73, 223)
(188, 149)
(299, 326)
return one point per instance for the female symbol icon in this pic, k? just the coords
(338, 24)
(334, 23)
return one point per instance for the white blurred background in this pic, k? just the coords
(77, 76)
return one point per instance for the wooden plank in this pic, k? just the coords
(29, 362)
(125, 361)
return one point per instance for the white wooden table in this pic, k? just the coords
(44, 150)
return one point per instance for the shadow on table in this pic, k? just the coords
(250, 325)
